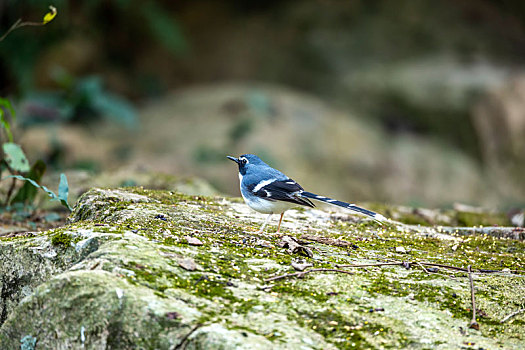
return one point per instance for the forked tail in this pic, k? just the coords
(353, 207)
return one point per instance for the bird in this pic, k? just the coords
(269, 191)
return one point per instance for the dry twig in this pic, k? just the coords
(473, 323)
(423, 267)
(512, 315)
(370, 265)
(302, 273)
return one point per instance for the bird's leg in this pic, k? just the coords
(264, 225)
(280, 220)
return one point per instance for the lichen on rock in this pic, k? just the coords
(122, 274)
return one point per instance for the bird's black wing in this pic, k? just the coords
(281, 190)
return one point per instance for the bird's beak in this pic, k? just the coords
(234, 159)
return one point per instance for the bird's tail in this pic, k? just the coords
(353, 207)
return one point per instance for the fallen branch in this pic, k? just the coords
(475, 271)
(184, 340)
(473, 323)
(327, 241)
(450, 267)
(370, 265)
(512, 315)
(423, 267)
(302, 273)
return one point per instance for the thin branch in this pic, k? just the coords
(13, 27)
(423, 267)
(512, 315)
(19, 24)
(466, 270)
(47, 18)
(302, 273)
(436, 265)
(445, 266)
(184, 341)
(10, 192)
(370, 265)
(473, 323)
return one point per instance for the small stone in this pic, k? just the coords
(187, 264)
(193, 240)
(263, 243)
(300, 267)
(172, 315)
(401, 250)
(308, 341)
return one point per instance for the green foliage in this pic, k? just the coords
(80, 100)
(164, 29)
(143, 22)
(90, 94)
(240, 129)
(15, 157)
(5, 105)
(15, 161)
(63, 188)
(27, 193)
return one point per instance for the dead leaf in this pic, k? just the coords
(294, 247)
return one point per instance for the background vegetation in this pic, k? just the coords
(408, 102)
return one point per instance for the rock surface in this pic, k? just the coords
(123, 275)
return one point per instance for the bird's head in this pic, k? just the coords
(246, 161)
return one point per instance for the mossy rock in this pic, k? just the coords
(123, 275)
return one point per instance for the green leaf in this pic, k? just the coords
(93, 96)
(15, 157)
(27, 193)
(165, 29)
(5, 104)
(63, 190)
(115, 108)
(63, 182)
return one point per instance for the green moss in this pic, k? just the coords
(482, 219)
(226, 267)
(61, 239)
(169, 197)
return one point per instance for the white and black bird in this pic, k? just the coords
(269, 191)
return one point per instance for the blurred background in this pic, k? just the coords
(408, 102)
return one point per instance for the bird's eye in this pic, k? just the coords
(244, 161)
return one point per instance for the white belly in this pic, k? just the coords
(269, 207)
